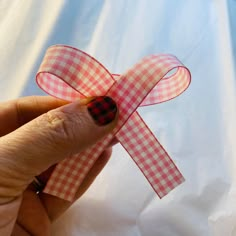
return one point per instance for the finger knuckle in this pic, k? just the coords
(59, 125)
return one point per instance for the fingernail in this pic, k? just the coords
(102, 109)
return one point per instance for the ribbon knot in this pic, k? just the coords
(69, 74)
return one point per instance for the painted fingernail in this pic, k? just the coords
(103, 110)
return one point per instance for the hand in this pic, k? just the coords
(36, 133)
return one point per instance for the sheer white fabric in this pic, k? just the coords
(197, 129)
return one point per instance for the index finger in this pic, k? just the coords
(16, 113)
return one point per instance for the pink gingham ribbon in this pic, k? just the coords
(69, 74)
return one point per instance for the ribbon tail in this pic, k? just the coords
(149, 155)
(70, 173)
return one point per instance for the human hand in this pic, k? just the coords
(36, 133)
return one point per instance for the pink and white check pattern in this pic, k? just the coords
(69, 74)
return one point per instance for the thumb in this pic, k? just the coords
(59, 133)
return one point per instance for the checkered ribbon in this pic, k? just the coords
(69, 74)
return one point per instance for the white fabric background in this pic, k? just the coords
(197, 129)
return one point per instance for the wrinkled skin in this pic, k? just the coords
(38, 211)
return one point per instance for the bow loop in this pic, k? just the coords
(170, 86)
(69, 73)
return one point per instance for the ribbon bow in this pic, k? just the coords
(69, 74)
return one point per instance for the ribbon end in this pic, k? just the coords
(168, 188)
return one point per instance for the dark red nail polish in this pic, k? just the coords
(102, 109)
